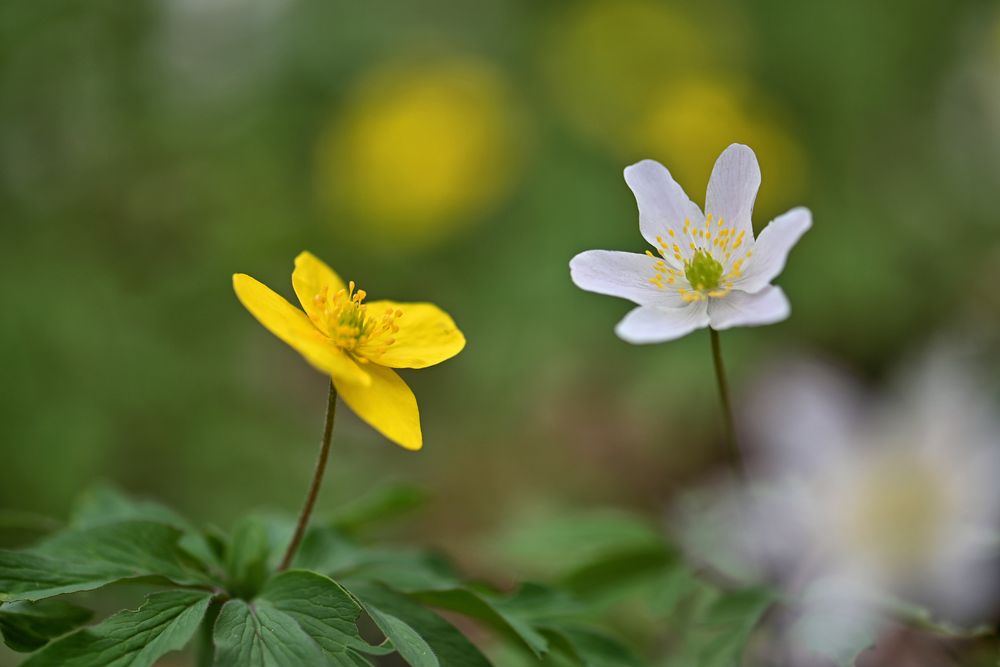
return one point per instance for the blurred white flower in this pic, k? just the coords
(710, 270)
(870, 501)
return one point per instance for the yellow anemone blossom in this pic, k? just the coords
(356, 343)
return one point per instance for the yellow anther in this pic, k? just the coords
(349, 324)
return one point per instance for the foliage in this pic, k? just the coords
(347, 602)
(343, 603)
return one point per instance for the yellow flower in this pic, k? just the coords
(420, 150)
(356, 343)
(676, 128)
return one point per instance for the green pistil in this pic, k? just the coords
(703, 271)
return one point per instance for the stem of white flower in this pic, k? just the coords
(727, 408)
(317, 481)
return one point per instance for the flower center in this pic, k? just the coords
(705, 252)
(703, 271)
(896, 515)
(351, 327)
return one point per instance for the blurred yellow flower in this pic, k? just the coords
(686, 123)
(640, 78)
(604, 55)
(420, 150)
(356, 343)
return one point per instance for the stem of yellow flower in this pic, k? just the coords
(317, 481)
(727, 408)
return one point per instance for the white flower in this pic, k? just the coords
(858, 503)
(709, 269)
(892, 497)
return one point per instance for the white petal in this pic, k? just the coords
(651, 324)
(739, 309)
(771, 249)
(662, 203)
(621, 274)
(732, 188)
(803, 417)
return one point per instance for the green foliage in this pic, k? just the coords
(27, 626)
(719, 627)
(347, 602)
(379, 505)
(324, 610)
(423, 638)
(164, 623)
(89, 558)
(470, 603)
(261, 636)
(252, 616)
(247, 558)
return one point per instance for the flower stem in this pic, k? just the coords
(317, 481)
(727, 408)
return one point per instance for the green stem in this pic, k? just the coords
(727, 408)
(317, 481)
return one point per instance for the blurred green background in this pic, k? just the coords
(459, 153)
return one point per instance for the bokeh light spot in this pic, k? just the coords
(420, 151)
(686, 125)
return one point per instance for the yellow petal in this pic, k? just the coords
(309, 278)
(387, 405)
(292, 326)
(426, 336)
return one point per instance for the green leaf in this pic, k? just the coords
(593, 649)
(258, 635)
(102, 504)
(721, 628)
(328, 551)
(402, 619)
(539, 604)
(86, 559)
(324, 610)
(613, 571)
(165, 622)
(407, 641)
(143, 547)
(28, 576)
(470, 603)
(377, 506)
(552, 542)
(27, 626)
(246, 558)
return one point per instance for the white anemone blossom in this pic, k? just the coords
(869, 499)
(708, 269)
